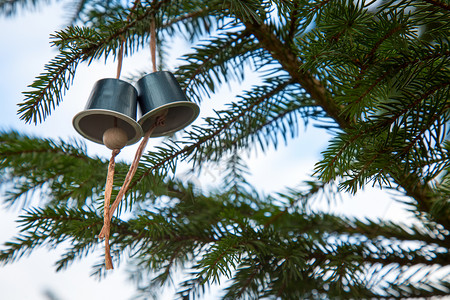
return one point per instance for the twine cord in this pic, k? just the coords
(120, 55)
(120, 58)
(153, 42)
(106, 219)
(133, 168)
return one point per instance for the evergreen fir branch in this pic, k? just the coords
(338, 157)
(192, 288)
(220, 259)
(46, 89)
(387, 257)
(437, 58)
(160, 239)
(64, 171)
(285, 114)
(379, 71)
(231, 126)
(416, 109)
(222, 59)
(392, 31)
(78, 9)
(60, 223)
(383, 74)
(343, 152)
(252, 10)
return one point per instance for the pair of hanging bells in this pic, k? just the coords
(113, 103)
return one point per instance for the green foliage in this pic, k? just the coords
(61, 172)
(374, 74)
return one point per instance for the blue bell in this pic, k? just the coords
(112, 104)
(160, 94)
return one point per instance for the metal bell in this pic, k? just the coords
(112, 103)
(160, 94)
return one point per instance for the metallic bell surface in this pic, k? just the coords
(112, 103)
(160, 93)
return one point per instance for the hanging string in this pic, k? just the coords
(120, 58)
(106, 219)
(133, 168)
(110, 178)
(153, 42)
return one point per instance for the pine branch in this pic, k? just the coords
(292, 65)
(222, 59)
(40, 101)
(226, 239)
(66, 173)
(242, 235)
(370, 72)
(350, 148)
(56, 225)
(78, 10)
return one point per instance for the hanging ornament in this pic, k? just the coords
(160, 94)
(110, 115)
(110, 119)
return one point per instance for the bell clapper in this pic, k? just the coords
(115, 138)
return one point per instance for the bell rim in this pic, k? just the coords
(155, 111)
(138, 129)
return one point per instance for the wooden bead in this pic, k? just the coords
(115, 138)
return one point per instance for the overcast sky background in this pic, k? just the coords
(24, 51)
